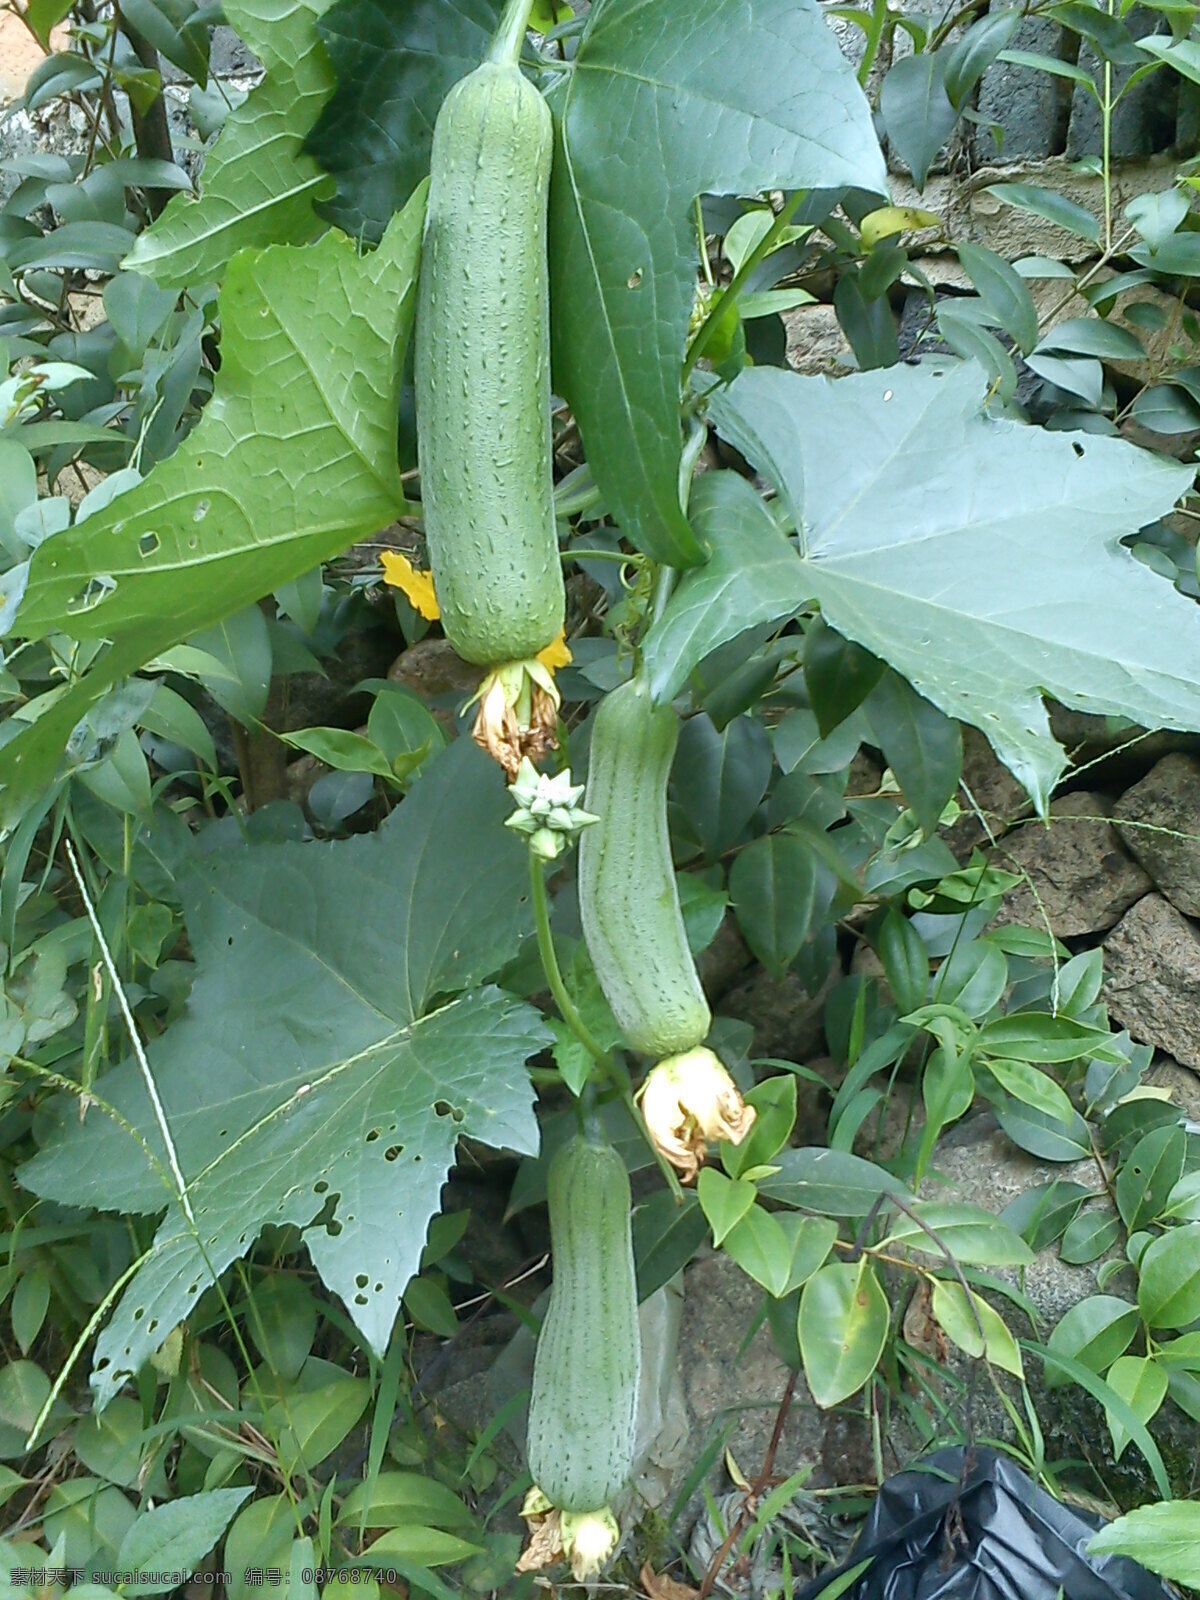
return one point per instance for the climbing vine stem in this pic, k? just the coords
(609, 1063)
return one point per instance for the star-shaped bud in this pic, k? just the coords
(547, 810)
(688, 1100)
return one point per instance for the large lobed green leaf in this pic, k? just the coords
(981, 558)
(258, 187)
(667, 101)
(293, 459)
(322, 1069)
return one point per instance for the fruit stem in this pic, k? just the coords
(505, 48)
(613, 1068)
(554, 977)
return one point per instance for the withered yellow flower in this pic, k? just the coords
(688, 1100)
(589, 1538)
(585, 1538)
(518, 714)
(416, 586)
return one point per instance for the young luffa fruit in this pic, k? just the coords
(483, 364)
(583, 1405)
(628, 899)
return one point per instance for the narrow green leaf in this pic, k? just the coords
(1050, 205)
(1142, 1384)
(1093, 1332)
(724, 1201)
(1169, 1279)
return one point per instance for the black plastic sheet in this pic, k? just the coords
(970, 1525)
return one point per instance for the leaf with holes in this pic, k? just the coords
(257, 187)
(292, 460)
(323, 1072)
(979, 557)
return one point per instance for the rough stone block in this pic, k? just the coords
(1159, 823)
(1080, 878)
(1152, 983)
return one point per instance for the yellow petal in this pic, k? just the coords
(417, 587)
(556, 654)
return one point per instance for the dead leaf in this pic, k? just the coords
(659, 1587)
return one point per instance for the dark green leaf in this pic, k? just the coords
(1148, 1174)
(839, 675)
(1044, 1136)
(958, 322)
(666, 1235)
(972, 54)
(1091, 1235)
(777, 889)
(703, 910)
(1166, 408)
(99, 245)
(177, 30)
(921, 744)
(1110, 36)
(1039, 1036)
(1041, 1214)
(830, 1182)
(1003, 291)
(868, 324)
(917, 111)
(905, 960)
(282, 1322)
(720, 778)
(394, 67)
(1092, 336)
(1127, 1122)
(1051, 205)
